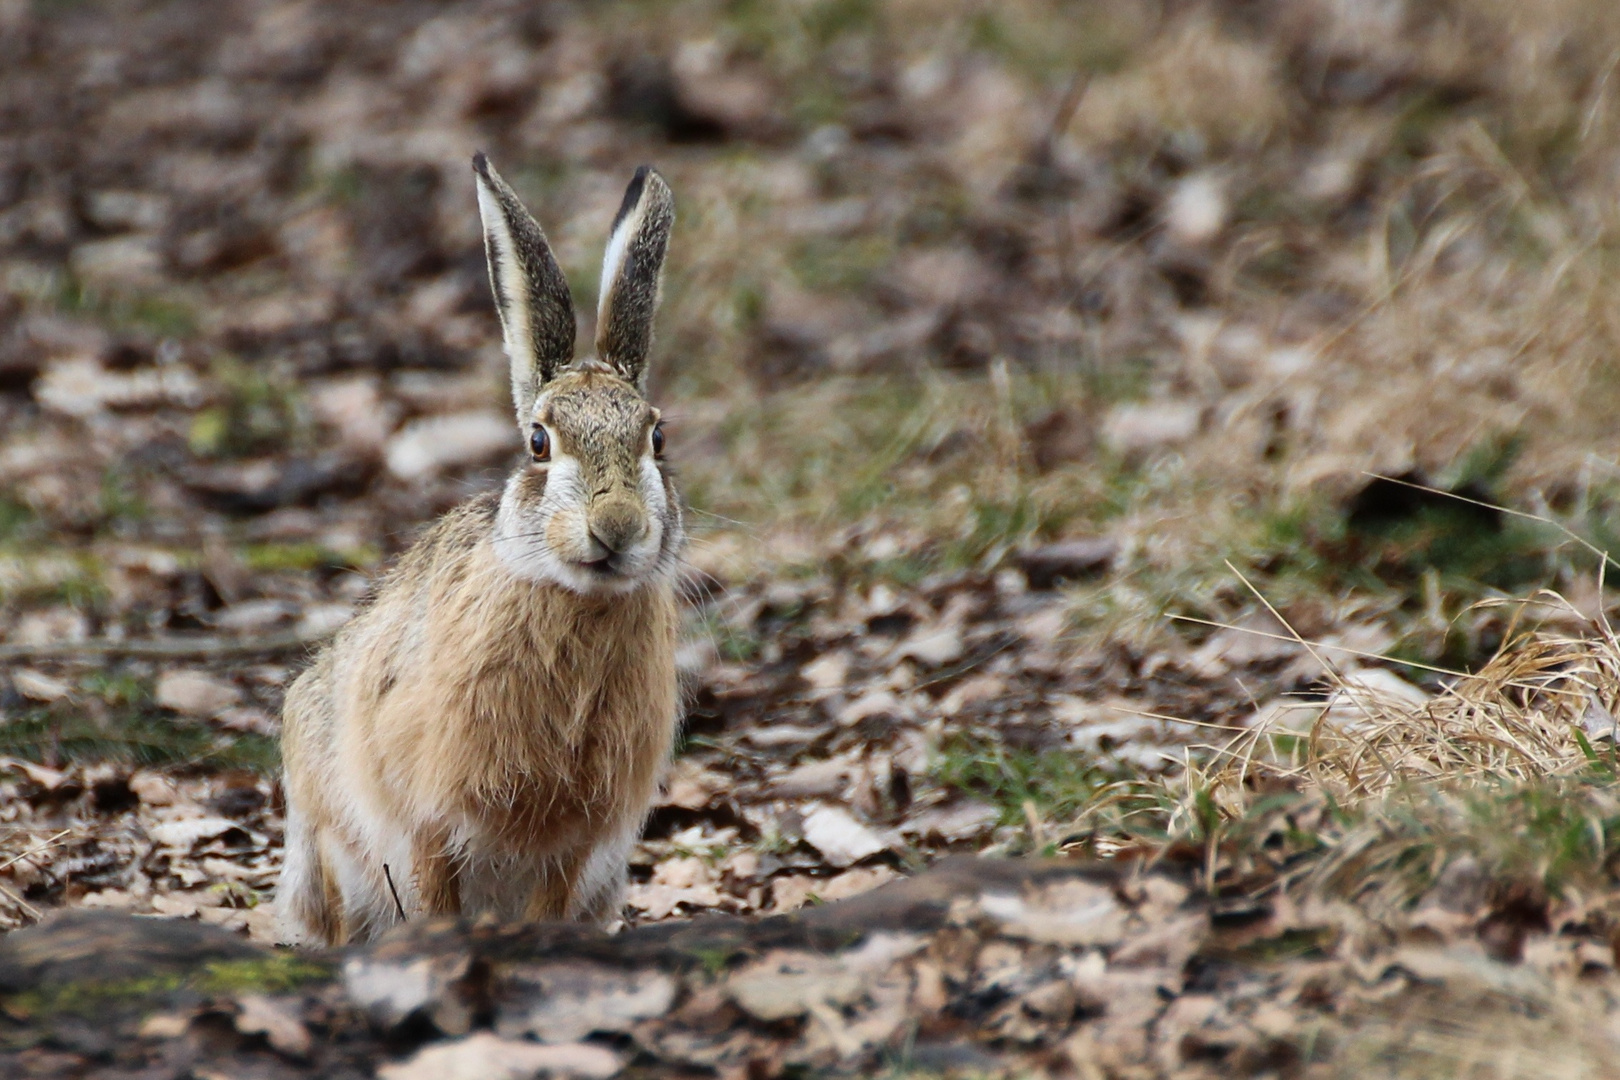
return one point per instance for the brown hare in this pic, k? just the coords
(487, 735)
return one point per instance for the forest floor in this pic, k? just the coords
(1060, 396)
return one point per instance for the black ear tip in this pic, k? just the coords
(632, 194)
(481, 164)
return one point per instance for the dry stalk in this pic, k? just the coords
(1541, 708)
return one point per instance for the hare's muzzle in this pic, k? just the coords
(617, 521)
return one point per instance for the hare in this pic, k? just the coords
(487, 735)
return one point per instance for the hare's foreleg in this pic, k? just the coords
(309, 902)
(559, 877)
(438, 873)
(599, 894)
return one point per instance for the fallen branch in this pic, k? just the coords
(162, 648)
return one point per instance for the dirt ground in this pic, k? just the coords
(1041, 378)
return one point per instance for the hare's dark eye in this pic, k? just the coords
(540, 445)
(658, 439)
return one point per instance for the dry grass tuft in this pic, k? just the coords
(1488, 1033)
(1540, 710)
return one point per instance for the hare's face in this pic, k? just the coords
(594, 511)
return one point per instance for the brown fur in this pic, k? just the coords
(487, 735)
(538, 716)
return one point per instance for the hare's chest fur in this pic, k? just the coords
(565, 721)
(534, 715)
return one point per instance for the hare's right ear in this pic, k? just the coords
(531, 295)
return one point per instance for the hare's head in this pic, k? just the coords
(594, 510)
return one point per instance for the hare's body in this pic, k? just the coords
(488, 734)
(483, 756)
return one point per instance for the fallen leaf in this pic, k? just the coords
(39, 686)
(688, 880)
(854, 882)
(826, 672)
(195, 693)
(187, 832)
(1136, 429)
(1047, 566)
(489, 1057)
(813, 779)
(437, 443)
(164, 1026)
(1071, 912)
(878, 702)
(277, 1021)
(932, 648)
(790, 892)
(962, 820)
(153, 789)
(783, 985)
(568, 1001)
(1197, 209)
(176, 905)
(249, 718)
(840, 838)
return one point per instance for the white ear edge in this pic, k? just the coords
(512, 292)
(618, 247)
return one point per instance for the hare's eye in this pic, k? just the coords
(658, 439)
(540, 445)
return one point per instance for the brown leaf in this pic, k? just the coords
(489, 1057)
(566, 1001)
(841, 839)
(195, 693)
(277, 1020)
(783, 985)
(1070, 912)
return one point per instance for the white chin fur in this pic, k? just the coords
(522, 544)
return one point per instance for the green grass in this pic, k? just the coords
(1554, 836)
(1435, 554)
(736, 644)
(1547, 838)
(121, 498)
(840, 264)
(1086, 40)
(78, 584)
(261, 412)
(118, 687)
(17, 521)
(164, 316)
(302, 556)
(1059, 784)
(277, 974)
(64, 732)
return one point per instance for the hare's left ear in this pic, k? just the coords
(630, 275)
(531, 295)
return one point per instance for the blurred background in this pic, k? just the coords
(993, 335)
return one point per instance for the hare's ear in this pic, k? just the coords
(630, 275)
(537, 315)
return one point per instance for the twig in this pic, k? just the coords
(1068, 105)
(1037, 828)
(25, 906)
(965, 666)
(162, 648)
(1275, 614)
(399, 907)
(1294, 639)
(44, 845)
(1603, 556)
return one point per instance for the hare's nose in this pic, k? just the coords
(617, 522)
